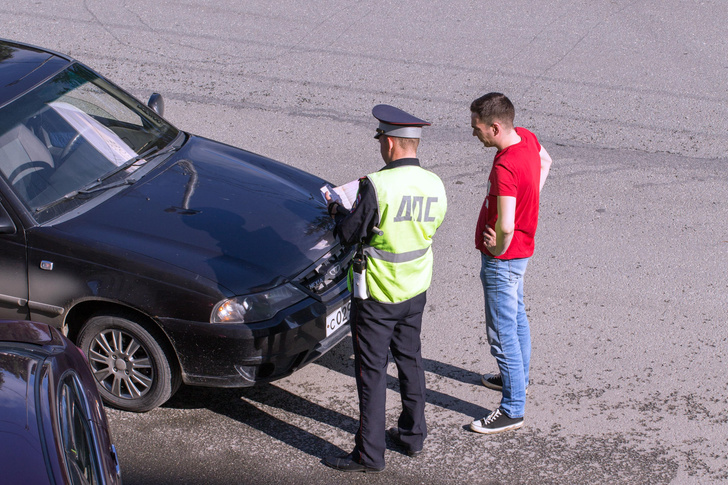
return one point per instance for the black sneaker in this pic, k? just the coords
(496, 422)
(492, 381)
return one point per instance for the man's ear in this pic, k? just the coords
(390, 145)
(497, 128)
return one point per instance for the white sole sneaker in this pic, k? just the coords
(495, 422)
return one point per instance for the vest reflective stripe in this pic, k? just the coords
(411, 206)
(392, 257)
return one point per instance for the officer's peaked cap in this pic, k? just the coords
(395, 122)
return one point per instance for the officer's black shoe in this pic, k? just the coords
(394, 434)
(347, 464)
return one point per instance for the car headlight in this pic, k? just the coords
(256, 307)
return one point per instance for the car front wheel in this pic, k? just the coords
(131, 368)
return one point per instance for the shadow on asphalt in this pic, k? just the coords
(341, 359)
(246, 405)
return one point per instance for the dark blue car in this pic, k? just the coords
(53, 428)
(166, 257)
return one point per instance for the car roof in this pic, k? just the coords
(23, 66)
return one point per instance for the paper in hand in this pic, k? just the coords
(343, 194)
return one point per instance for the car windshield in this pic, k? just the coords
(69, 134)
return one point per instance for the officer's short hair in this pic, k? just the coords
(494, 107)
(407, 143)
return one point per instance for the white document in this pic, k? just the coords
(343, 194)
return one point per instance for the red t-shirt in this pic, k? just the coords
(516, 172)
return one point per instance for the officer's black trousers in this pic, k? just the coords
(375, 328)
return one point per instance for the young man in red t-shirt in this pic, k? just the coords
(505, 237)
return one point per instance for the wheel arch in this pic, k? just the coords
(80, 313)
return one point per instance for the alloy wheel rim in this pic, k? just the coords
(121, 364)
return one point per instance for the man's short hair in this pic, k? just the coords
(407, 143)
(494, 107)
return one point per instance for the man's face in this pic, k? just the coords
(484, 132)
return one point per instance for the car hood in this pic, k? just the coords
(28, 332)
(243, 221)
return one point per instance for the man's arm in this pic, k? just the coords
(545, 166)
(356, 225)
(498, 239)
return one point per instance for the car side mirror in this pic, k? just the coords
(156, 102)
(7, 226)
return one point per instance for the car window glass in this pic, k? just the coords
(91, 99)
(76, 435)
(68, 133)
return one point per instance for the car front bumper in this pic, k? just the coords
(242, 355)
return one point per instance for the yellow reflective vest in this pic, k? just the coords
(412, 204)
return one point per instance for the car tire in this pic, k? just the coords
(132, 370)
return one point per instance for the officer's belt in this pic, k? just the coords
(375, 253)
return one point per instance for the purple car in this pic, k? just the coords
(53, 428)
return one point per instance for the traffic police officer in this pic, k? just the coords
(397, 211)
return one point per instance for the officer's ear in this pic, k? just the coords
(386, 145)
(391, 143)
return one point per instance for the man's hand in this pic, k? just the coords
(332, 204)
(497, 239)
(489, 239)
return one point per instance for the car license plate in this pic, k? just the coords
(337, 318)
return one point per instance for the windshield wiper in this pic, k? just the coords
(72, 194)
(146, 156)
(96, 186)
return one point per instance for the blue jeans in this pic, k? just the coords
(509, 335)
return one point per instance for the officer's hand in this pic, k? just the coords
(332, 204)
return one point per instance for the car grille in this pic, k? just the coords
(328, 271)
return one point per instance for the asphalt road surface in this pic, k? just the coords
(627, 291)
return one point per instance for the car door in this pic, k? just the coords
(13, 266)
